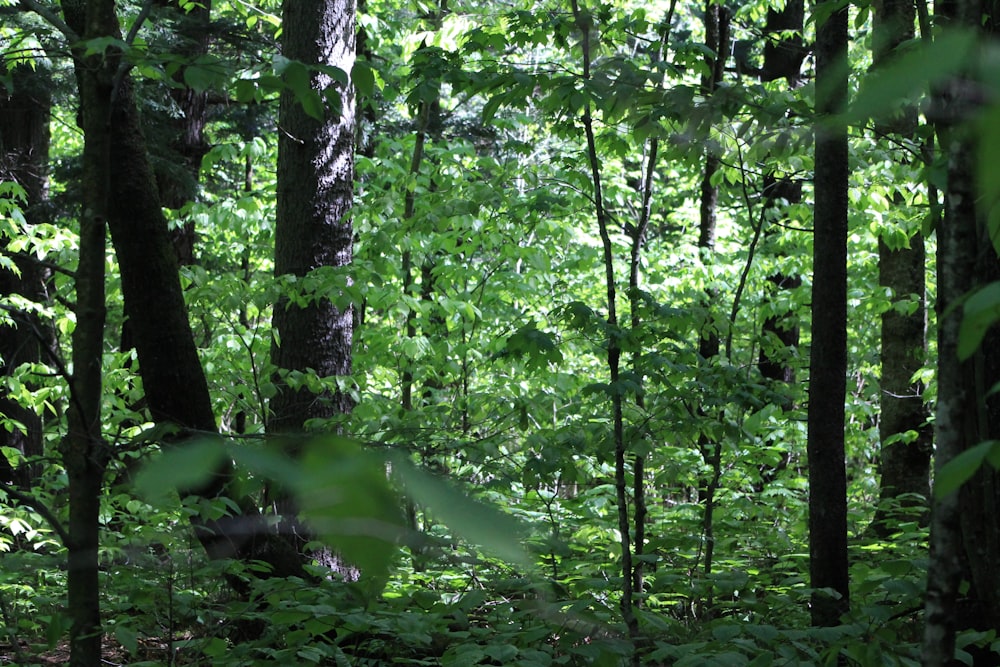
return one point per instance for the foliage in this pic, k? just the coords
(479, 524)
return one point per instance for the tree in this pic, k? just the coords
(903, 429)
(783, 56)
(828, 352)
(24, 152)
(313, 330)
(964, 527)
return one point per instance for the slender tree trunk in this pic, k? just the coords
(828, 357)
(905, 463)
(24, 151)
(717, 40)
(584, 23)
(783, 56)
(83, 451)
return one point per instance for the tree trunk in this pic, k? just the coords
(955, 426)
(904, 431)
(828, 357)
(84, 453)
(315, 192)
(783, 56)
(24, 151)
(174, 382)
(717, 41)
(965, 530)
(312, 231)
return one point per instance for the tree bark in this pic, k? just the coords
(84, 453)
(313, 230)
(905, 464)
(955, 417)
(828, 355)
(717, 41)
(175, 387)
(965, 530)
(24, 151)
(783, 56)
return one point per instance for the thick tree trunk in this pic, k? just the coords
(175, 387)
(24, 151)
(965, 529)
(905, 463)
(955, 426)
(828, 357)
(313, 230)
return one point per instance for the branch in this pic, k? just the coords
(40, 507)
(52, 18)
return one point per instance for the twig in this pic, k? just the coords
(39, 507)
(52, 18)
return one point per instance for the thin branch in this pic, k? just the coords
(40, 507)
(52, 18)
(750, 255)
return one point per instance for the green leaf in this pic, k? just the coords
(981, 311)
(364, 79)
(910, 73)
(960, 469)
(344, 494)
(246, 91)
(481, 524)
(185, 466)
(128, 638)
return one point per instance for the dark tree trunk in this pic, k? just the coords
(717, 40)
(84, 453)
(783, 56)
(905, 463)
(955, 426)
(24, 151)
(828, 357)
(313, 230)
(965, 529)
(174, 382)
(178, 183)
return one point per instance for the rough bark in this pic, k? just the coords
(24, 150)
(313, 230)
(176, 390)
(905, 464)
(955, 417)
(965, 530)
(828, 354)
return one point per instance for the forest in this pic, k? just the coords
(434, 332)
